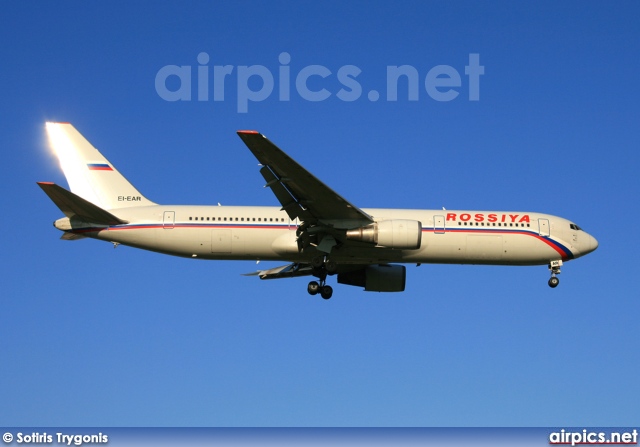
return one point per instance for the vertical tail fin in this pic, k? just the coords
(89, 173)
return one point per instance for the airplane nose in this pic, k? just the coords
(593, 244)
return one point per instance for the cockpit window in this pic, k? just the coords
(575, 227)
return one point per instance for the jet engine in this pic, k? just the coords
(397, 233)
(377, 278)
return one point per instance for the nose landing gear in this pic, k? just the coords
(554, 266)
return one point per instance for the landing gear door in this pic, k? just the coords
(168, 219)
(544, 227)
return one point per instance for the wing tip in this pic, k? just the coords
(245, 132)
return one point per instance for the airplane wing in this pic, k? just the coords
(299, 192)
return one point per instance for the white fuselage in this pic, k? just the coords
(319, 232)
(267, 233)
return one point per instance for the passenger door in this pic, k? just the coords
(544, 227)
(438, 224)
(168, 220)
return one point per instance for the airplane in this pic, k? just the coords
(316, 230)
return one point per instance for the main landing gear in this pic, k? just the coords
(322, 267)
(324, 290)
(554, 266)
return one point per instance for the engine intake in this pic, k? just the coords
(397, 233)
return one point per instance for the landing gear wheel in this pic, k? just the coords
(326, 292)
(331, 266)
(317, 262)
(553, 282)
(313, 288)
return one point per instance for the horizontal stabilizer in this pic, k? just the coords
(75, 206)
(285, 271)
(72, 237)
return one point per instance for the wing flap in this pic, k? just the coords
(286, 199)
(284, 271)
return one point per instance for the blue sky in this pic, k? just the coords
(92, 336)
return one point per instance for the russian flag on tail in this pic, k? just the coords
(99, 167)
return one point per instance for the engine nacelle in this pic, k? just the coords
(377, 278)
(397, 233)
